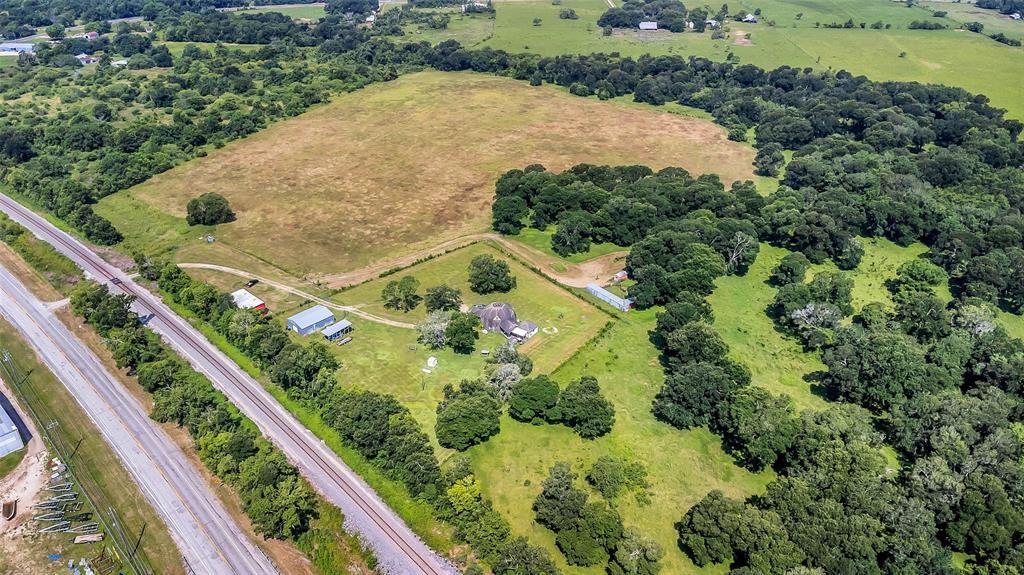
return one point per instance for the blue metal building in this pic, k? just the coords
(10, 437)
(311, 320)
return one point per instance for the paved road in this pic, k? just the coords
(208, 537)
(397, 548)
(303, 294)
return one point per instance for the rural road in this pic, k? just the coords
(206, 534)
(296, 291)
(397, 548)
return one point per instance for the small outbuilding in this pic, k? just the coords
(244, 299)
(311, 320)
(338, 330)
(750, 19)
(10, 437)
(524, 331)
(648, 26)
(86, 59)
(619, 303)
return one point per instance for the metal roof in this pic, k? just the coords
(311, 316)
(648, 25)
(335, 328)
(10, 438)
(244, 299)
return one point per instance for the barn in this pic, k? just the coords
(244, 299)
(311, 320)
(337, 331)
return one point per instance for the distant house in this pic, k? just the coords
(338, 330)
(711, 22)
(16, 48)
(311, 320)
(90, 36)
(648, 25)
(619, 303)
(119, 63)
(501, 318)
(620, 276)
(750, 19)
(86, 59)
(1015, 16)
(244, 299)
(10, 437)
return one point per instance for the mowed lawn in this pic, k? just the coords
(402, 165)
(566, 322)
(951, 57)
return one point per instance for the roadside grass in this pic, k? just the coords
(682, 465)
(565, 321)
(950, 57)
(94, 461)
(11, 461)
(403, 165)
(48, 264)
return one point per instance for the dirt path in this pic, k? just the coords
(597, 269)
(296, 291)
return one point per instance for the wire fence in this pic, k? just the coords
(123, 544)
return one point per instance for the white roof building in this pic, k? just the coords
(244, 299)
(648, 25)
(10, 437)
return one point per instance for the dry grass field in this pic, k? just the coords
(401, 166)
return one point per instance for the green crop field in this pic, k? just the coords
(992, 20)
(951, 57)
(402, 165)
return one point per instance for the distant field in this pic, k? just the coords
(403, 165)
(967, 12)
(296, 12)
(964, 59)
(8, 61)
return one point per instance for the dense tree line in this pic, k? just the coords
(670, 15)
(1003, 6)
(279, 502)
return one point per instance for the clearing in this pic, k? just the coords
(402, 166)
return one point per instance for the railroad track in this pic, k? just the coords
(320, 469)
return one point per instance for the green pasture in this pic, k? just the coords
(540, 240)
(566, 322)
(952, 57)
(682, 465)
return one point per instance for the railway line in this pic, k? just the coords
(397, 548)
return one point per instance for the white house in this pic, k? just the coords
(648, 25)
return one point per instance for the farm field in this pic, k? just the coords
(297, 12)
(403, 165)
(967, 12)
(952, 57)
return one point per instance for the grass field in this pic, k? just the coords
(682, 465)
(10, 461)
(951, 57)
(296, 12)
(967, 12)
(402, 165)
(94, 462)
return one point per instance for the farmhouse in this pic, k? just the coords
(16, 48)
(648, 25)
(311, 320)
(244, 299)
(501, 317)
(86, 59)
(10, 437)
(621, 304)
(90, 36)
(750, 19)
(338, 330)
